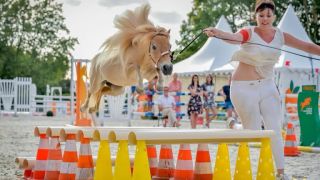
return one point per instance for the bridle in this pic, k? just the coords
(155, 62)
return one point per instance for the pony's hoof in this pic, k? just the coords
(83, 109)
(92, 110)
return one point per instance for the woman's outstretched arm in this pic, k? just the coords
(233, 38)
(292, 41)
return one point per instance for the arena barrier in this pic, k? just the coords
(143, 137)
(145, 109)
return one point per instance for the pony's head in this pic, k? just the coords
(138, 33)
(154, 44)
(160, 53)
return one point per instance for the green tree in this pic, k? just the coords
(34, 41)
(240, 13)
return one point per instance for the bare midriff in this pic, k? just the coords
(245, 72)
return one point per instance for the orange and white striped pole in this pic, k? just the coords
(54, 108)
(54, 159)
(184, 167)
(41, 159)
(68, 108)
(85, 168)
(69, 160)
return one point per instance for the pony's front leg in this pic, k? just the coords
(140, 80)
(160, 80)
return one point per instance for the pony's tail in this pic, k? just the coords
(132, 19)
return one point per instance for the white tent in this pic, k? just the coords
(213, 54)
(290, 66)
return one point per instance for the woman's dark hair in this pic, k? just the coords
(192, 83)
(264, 6)
(211, 82)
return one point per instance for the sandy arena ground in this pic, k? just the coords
(17, 139)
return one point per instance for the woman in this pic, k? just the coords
(195, 103)
(253, 92)
(175, 86)
(208, 99)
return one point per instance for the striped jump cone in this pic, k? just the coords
(291, 148)
(153, 161)
(184, 167)
(27, 173)
(166, 164)
(202, 167)
(222, 166)
(85, 161)
(69, 160)
(41, 159)
(54, 159)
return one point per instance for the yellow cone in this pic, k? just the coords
(141, 170)
(103, 165)
(122, 167)
(265, 166)
(243, 166)
(222, 166)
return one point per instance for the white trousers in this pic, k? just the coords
(257, 101)
(171, 115)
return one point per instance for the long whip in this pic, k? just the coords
(226, 39)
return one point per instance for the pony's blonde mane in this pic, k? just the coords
(133, 26)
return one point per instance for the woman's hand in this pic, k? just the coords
(211, 31)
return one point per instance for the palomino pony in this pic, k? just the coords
(138, 51)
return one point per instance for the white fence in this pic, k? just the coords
(16, 94)
(19, 95)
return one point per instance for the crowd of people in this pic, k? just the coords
(201, 101)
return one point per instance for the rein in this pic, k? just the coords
(155, 62)
(226, 39)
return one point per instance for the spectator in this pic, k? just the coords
(225, 92)
(176, 86)
(166, 105)
(195, 103)
(208, 99)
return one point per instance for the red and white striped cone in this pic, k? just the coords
(27, 173)
(69, 160)
(290, 147)
(85, 168)
(41, 159)
(153, 161)
(166, 164)
(184, 167)
(202, 167)
(54, 159)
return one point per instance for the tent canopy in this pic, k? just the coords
(290, 24)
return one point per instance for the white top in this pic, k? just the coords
(166, 102)
(264, 58)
